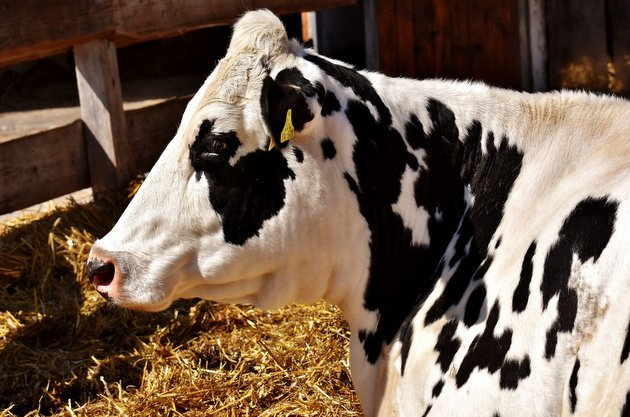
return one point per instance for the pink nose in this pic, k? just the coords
(101, 274)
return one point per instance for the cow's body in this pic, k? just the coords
(476, 239)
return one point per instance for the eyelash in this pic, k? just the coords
(216, 147)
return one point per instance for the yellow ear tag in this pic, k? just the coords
(288, 131)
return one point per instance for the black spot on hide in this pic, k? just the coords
(330, 105)
(585, 232)
(513, 371)
(401, 273)
(452, 166)
(244, 194)
(294, 77)
(406, 337)
(573, 385)
(521, 293)
(626, 346)
(486, 350)
(360, 85)
(426, 412)
(474, 304)
(299, 155)
(328, 148)
(414, 133)
(447, 345)
(437, 389)
(625, 410)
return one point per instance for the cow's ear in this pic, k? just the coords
(285, 109)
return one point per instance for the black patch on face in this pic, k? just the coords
(209, 148)
(447, 345)
(585, 232)
(245, 194)
(626, 346)
(328, 148)
(486, 351)
(406, 336)
(437, 389)
(573, 384)
(513, 371)
(276, 99)
(299, 155)
(330, 104)
(426, 412)
(474, 304)
(521, 293)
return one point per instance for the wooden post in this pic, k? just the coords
(102, 112)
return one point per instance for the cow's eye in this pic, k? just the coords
(216, 146)
(213, 149)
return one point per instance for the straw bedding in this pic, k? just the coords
(65, 351)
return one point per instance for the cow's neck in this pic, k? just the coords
(432, 202)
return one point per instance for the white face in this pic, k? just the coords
(224, 218)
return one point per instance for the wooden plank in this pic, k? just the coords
(31, 29)
(404, 36)
(469, 39)
(576, 44)
(619, 18)
(58, 26)
(42, 166)
(372, 39)
(386, 17)
(102, 112)
(537, 33)
(150, 129)
(139, 20)
(396, 39)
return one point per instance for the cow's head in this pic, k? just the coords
(248, 203)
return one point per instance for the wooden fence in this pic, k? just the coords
(108, 146)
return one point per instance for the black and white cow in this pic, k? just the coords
(476, 239)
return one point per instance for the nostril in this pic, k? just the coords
(100, 272)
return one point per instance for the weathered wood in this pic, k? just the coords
(150, 129)
(372, 39)
(537, 33)
(576, 44)
(389, 60)
(31, 29)
(468, 39)
(139, 20)
(53, 163)
(102, 112)
(619, 12)
(42, 166)
(57, 26)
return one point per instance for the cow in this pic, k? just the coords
(476, 239)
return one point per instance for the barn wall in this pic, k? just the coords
(465, 39)
(522, 44)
